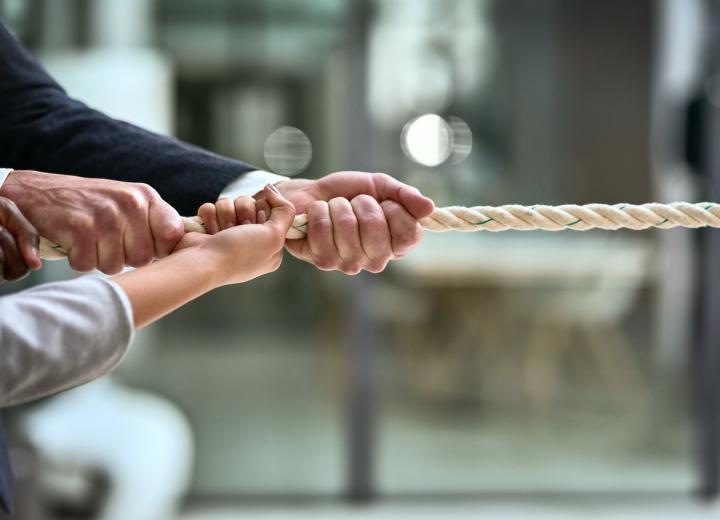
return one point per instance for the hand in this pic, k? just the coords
(18, 242)
(102, 224)
(356, 220)
(243, 240)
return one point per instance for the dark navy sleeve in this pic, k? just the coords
(43, 129)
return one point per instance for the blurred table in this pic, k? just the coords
(529, 258)
(542, 291)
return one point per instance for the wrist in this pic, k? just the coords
(215, 262)
(203, 263)
(19, 184)
(7, 188)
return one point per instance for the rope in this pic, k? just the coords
(524, 218)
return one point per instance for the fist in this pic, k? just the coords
(101, 224)
(356, 220)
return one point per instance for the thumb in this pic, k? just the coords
(389, 188)
(282, 211)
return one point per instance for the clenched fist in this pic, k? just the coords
(102, 224)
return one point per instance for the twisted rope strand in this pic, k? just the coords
(524, 218)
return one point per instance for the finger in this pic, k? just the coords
(380, 186)
(405, 230)
(111, 254)
(346, 235)
(262, 206)
(282, 211)
(320, 240)
(25, 234)
(166, 227)
(82, 255)
(225, 213)
(261, 217)
(138, 243)
(389, 188)
(245, 211)
(14, 266)
(374, 232)
(208, 214)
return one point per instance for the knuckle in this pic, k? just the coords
(139, 261)
(389, 206)
(364, 198)
(320, 226)
(351, 268)
(147, 192)
(346, 223)
(135, 201)
(376, 266)
(318, 206)
(82, 225)
(173, 232)
(108, 217)
(111, 269)
(325, 263)
(409, 236)
(375, 224)
(82, 262)
(139, 257)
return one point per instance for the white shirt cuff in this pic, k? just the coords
(4, 172)
(250, 183)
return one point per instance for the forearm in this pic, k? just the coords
(165, 285)
(60, 335)
(43, 129)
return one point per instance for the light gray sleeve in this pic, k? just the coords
(59, 335)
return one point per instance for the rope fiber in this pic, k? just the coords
(523, 218)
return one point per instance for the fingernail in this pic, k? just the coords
(273, 188)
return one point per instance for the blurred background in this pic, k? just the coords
(551, 375)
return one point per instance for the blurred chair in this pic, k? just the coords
(590, 316)
(140, 443)
(458, 336)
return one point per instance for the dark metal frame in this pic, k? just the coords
(707, 356)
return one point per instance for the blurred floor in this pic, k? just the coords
(271, 423)
(655, 508)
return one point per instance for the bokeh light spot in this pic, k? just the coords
(462, 140)
(288, 151)
(427, 140)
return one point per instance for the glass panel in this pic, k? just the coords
(528, 362)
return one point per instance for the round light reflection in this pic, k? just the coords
(462, 140)
(427, 140)
(288, 151)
